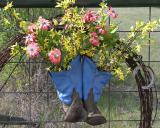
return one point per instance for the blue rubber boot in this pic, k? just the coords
(69, 90)
(93, 83)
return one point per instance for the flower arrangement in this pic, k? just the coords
(85, 33)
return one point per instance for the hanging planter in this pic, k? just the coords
(82, 53)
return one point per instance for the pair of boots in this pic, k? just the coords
(80, 88)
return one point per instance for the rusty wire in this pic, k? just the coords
(143, 78)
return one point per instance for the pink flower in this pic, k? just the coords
(94, 41)
(66, 26)
(89, 17)
(112, 13)
(29, 39)
(33, 50)
(98, 27)
(102, 31)
(44, 24)
(55, 56)
(94, 34)
(32, 28)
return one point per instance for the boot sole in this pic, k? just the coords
(96, 120)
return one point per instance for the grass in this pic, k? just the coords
(46, 107)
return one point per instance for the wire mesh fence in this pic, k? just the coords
(27, 91)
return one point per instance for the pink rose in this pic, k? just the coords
(112, 13)
(55, 56)
(94, 41)
(33, 50)
(29, 39)
(44, 24)
(32, 28)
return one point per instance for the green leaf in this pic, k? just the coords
(114, 30)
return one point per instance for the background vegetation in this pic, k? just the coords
(35, 98)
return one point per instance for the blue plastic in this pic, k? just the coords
(93, 78)
(66, 81)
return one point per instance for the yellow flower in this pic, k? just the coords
(8, 6)
(24, 25)
(55, 22)
(138, 48)
(16, 15)
(88, 53)
(118, 72)
(6, 21)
